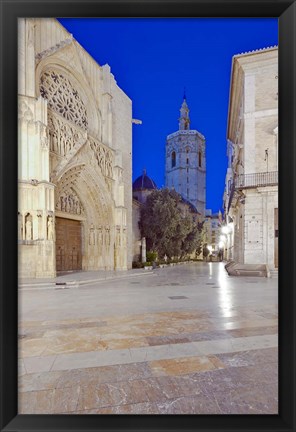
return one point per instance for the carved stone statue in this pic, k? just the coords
(28, 230)
(49, 228)
(107, 236)
(92, 235)
(39, 226)
(100, 236)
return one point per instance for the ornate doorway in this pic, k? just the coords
(68, 244)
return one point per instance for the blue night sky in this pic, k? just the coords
(153, 59)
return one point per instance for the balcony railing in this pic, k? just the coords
(253, 180)
(244, 181)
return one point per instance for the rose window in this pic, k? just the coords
(63, 98)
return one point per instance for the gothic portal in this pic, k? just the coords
(186, 162)
(74, 140)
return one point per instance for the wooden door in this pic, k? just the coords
(68, 244)
(276, 238)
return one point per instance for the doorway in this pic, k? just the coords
(68, 245)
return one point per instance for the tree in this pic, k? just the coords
(167, 230)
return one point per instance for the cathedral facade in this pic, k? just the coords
(75, 144)
(185, 169)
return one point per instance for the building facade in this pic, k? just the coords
(212, 231)
(75, 144)
(251, 190)
(185, 169)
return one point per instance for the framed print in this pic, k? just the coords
(145, 260)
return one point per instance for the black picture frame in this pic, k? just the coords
(286, 12)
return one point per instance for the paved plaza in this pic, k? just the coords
(186, 339)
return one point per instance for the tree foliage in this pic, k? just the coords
(167, 229)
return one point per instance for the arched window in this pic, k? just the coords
(199, 159)
(173, 159)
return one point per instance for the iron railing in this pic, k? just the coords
(243, 181)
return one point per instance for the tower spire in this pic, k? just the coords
(184, 120)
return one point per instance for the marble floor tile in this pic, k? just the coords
(248, 358)
(104, 374)
(36, 402)
(244, 400)
(202, 404)
(119, 393)
(255, 342)
(185, 365)
(39, 364)
(244, 332)
(65, 400)
(40, 381)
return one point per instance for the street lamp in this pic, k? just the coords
(225, 229)
(223, 238)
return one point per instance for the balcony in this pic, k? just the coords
(253, 180)
(244, 181)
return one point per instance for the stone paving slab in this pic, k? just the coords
(80, 278)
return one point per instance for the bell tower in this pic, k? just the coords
(185, 169)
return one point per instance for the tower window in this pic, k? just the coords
(187, 169)
(187, 180)
(199, 159)
(173, 159)
(187, 149)
(187, 161)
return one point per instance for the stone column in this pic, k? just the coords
(143, 249)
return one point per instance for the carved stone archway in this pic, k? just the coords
(82, 195)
